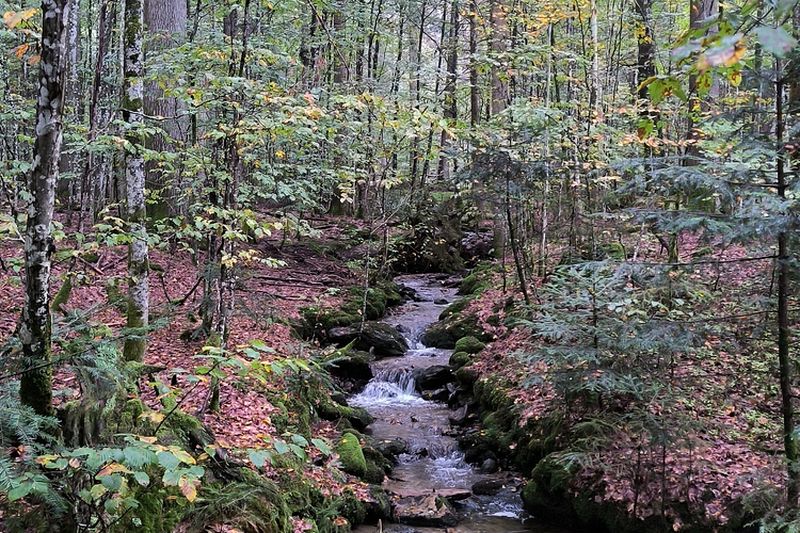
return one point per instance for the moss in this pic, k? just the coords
(478, 280)
(466, 376)
(184, 430)
(614, 250)
(455, 308)
(252, 504)
(351, 455)
(116, 294)
(358, 417)
(352, 508)
(470, 345)
(63, 294)
(377, 465)
(445, 333)
(157, 512)
(381, 506)
(459, 359)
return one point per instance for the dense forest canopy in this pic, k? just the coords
(204, 208)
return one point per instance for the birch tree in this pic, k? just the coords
(36, 327)
(138, 264)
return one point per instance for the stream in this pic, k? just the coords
(434, 462)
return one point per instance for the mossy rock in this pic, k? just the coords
(466, 377)
(156, 511)
(351, 455)
(377, 465)
(455, 308)
(331, 411)
(445, 333)
(350, 507)
(459, 359)
(315, 320)
(470, 345)
(478, 280)
(381, 507)
(185, 430)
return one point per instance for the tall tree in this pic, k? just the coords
(165, 21)
(138, 263)
(36, 327)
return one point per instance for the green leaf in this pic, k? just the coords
(141, 478)
(299, 440)
(20, 491)
(280, 446)
(259, 457)
(168, 460)
(775, 40)
(322, 446)
(112, 482)
(298, 451)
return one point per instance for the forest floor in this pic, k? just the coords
(728, 410)
(715, 436)
(267, 299)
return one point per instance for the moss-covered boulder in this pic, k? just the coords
(377, 338)
(351, 455)
(470, 345)
(351, 368)
(478, 280)
(377, 465)
(370, 303)
(358, 417)
(250, 504)
(445, 333)
(459, 359)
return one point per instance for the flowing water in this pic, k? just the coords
(434, 460)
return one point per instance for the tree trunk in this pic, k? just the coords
(36, 328)
(645, 62)
(450, 111)
(499, 24)
(166, 26)
(97, 167)
(699, 10)
(138, 267)
(784, 333)
(474, 102)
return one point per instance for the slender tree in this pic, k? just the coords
(36, 327)
(138, 264)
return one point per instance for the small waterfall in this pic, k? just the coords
(389, 386)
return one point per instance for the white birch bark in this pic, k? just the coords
(35, 328)
(138, 264)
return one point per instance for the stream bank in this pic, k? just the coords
(433, 487)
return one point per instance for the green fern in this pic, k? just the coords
(255, 506)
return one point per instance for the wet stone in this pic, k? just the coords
(488, 487)
(433, 377)
(425, 511)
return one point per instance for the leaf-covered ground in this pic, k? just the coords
(267, 298)
(715, 434)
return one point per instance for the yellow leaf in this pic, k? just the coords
(112, 468)
(735, 78)
(45, 459)
(188, 489)
(154, 416)
(13, 18)
(183, 456)
(20, 50)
